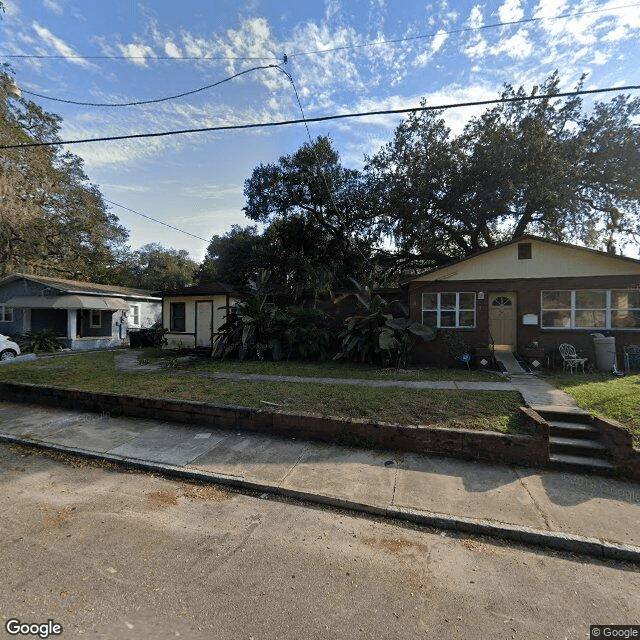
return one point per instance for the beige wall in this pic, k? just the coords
(187, 339)
(547, 261)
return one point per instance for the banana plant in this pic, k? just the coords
(377, 336)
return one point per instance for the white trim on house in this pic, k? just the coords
(134, 316)
(6, 313)
(447, 310)
(594, 309)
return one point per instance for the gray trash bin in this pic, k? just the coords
(605, 347)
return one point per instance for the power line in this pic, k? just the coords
(115, 204)
(376, 43)
(461, 30)
(257, 125)
(156, 100)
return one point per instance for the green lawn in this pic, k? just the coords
(616, 398)
(495, 411)
(327, 369)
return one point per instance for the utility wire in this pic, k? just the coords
(115, 204)
(156, 100)
(318, 163)
(341, 116)
(458, 31)
(376, 43)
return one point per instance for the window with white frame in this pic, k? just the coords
(591, 309)
(625, 309)
(449, 310)
(95, 318)
(6, 313)
(134, 315)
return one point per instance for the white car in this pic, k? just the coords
(8, 348)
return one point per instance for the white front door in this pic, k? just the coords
(204, 323)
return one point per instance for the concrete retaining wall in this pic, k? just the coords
(478, 445)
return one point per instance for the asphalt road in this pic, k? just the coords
(116, 555)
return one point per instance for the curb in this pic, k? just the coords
(524, 535)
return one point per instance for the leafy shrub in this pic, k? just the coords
(376, 336)
(40, 341)
(258, 328)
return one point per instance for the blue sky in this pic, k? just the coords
(445, 51)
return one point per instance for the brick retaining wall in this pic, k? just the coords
(477, 445)
(620, 443)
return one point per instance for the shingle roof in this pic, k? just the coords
(76, 286)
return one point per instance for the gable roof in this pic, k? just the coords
(549, 259)
(210, 289)
(79, 287)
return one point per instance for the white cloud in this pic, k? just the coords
(518, 46)
(477, 46)
(211, 191)
(510, 11)
(600, 58)
(476, 19)
(53, 5)
(438, 41)
(172, 49)
(59, 45)
(126, 188)
(137, 52)
(436, 44)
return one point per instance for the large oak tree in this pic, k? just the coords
(52, 219)
(319, 230)
(527, 165)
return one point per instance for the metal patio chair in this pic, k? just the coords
(570, 359)
(631, 357)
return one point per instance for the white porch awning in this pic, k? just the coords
(67, 302)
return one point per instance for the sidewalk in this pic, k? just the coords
(586, 514)
(537, 393)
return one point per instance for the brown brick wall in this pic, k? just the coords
(528, 301)
(475, 445)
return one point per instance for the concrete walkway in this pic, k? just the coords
(591, 515)
(537, 393)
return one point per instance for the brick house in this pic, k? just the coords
(528, 291)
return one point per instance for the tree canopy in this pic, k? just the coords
(319, 230)
(156, 268)
(52, 219)
(539, 166)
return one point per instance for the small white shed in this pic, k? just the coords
(193, 315)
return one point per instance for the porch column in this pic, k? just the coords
(72, 326)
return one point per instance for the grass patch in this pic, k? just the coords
(328, 369)
(599, 393)
(494, 411)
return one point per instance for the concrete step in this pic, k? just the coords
(577, 446)
(582, 463)
(563, 429)
(578, 415)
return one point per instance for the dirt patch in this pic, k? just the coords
(62, 515)
(163, 498)
(397, 547)
(209, 494)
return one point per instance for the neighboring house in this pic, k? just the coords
(88, 315)
(529, 291)
(193, 315)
